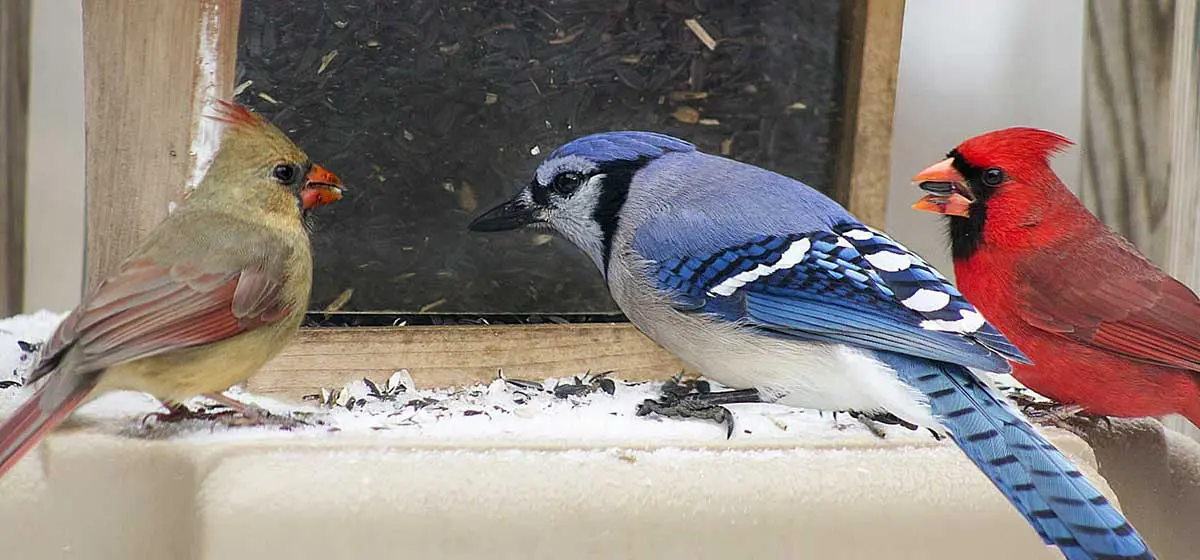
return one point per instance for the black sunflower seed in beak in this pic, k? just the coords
(941, 188)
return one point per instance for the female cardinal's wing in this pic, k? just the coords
(1120, 302)
(198, 282)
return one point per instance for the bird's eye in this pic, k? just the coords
(567, 182)
(285, 173)
(993, 176)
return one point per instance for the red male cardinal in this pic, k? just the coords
(215, 291)
(1105, 328)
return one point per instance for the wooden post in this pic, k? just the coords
(14, 106)
(872, 50)
(149, 65)
(1184, 187)
(1141, 140)
(1126, 128)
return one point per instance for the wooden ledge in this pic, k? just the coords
(283, 495)
(446, 356)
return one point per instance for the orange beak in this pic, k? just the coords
(948, 191)
(321, 187)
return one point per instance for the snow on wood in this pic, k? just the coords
(575, 411)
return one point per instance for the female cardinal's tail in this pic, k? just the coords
(1058, 501)
(42, 412)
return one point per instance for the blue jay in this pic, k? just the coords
(760, 282)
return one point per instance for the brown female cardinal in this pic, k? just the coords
(1105, 328)
(215, 291)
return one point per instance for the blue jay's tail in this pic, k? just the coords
(1057, 500)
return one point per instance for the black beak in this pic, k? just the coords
(508, 216)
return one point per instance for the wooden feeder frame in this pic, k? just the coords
(14, 106)
(146, 82)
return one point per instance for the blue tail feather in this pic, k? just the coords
(1054, 497)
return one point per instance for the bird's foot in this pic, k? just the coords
(678, 388)
(872, 421)
(689, 407)
(1035, 408)
(1071, 417)
(229, 412)
(176, 412)
(179, 412)
(881, 418)
(243, 414)
(250, 411)
(1081, 422)
(679, 401)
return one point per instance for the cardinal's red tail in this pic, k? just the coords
(41, 413)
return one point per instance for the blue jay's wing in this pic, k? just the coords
(849, 284)
(957, 316)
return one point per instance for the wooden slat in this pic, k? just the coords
(1126, 140)
(1141, 141)
(143, 79)
(14, 106)
(872, 43)
(1183, 260)
(449, 356)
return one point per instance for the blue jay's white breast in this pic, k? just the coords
(788, 371)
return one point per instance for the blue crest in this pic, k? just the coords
(622, 146)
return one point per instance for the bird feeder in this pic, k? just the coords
(430, 111)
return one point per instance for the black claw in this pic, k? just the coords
(176, 412)
(868, 419)
(883, 418)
